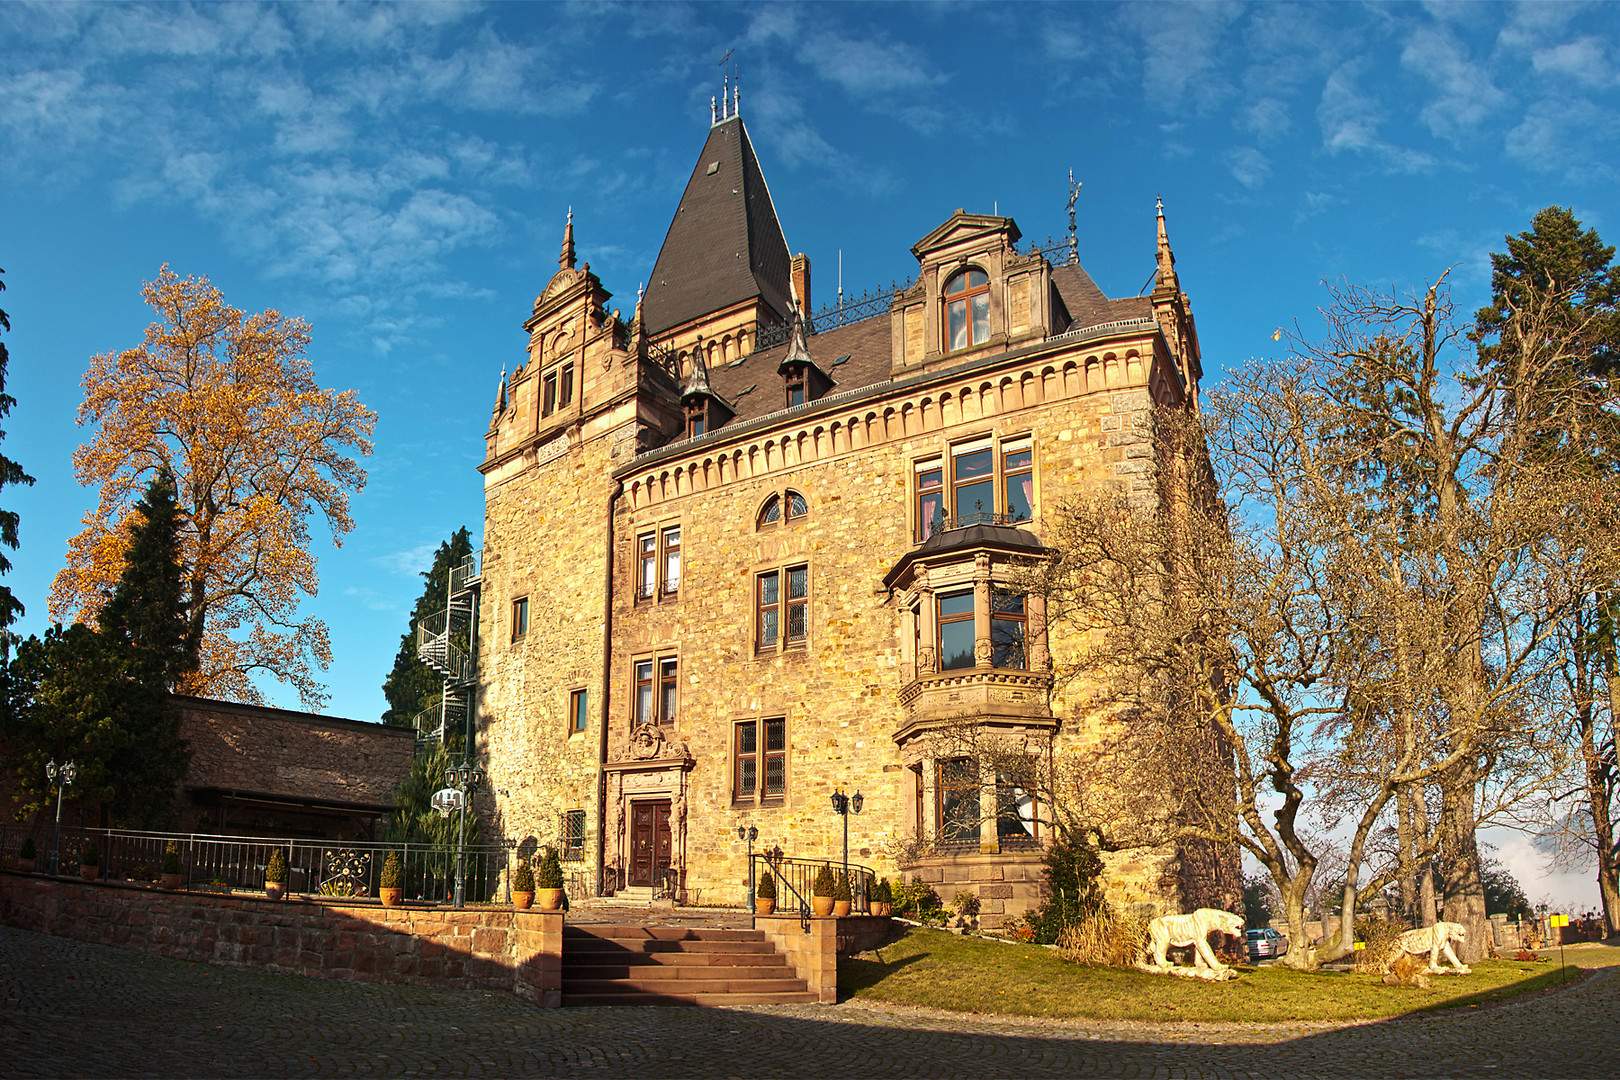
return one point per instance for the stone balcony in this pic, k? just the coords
(1009, 695)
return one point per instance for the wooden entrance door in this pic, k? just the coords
(649, 842)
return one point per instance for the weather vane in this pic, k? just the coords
(1074, 243)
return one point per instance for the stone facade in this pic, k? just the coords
(777, 568)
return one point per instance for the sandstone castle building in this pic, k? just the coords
(736, 559)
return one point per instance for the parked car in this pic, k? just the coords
(1266, 944)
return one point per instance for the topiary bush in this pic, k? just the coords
(523, 877)
(841, 890)
(882, 892)
(551, 875)
(824, 884)
(171, 858)
(91, 855)
(26, 851)
(275, 870)
(393, 873)
(765, 888)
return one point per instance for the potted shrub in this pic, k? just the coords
(90, 861)
(275, 875)
(821, 893)
(882, 898)
(391, 886)
(26, 855)
(765, 894)
(841, 895)
(170, 878)
(549, 882)
(523, 885)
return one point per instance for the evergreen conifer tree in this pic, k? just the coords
(146, 614)
(412, 686)
(10, 473)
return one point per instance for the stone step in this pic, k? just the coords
(795, 997)
(643, 974)
(622, 946)
(601, 958)
(615, 932)
(683, 987)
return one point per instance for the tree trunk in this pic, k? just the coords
(1464, 890)
(1600, 781)
(1298, 956)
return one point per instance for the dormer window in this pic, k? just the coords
(795, 386)
(967, 309)
(697, 419)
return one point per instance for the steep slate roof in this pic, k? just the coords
(725, 243)
(753, 386)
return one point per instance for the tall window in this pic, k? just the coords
(658, 563)
(795, 386)
(578, 712)
(671, 540)
(1008, 621)
(549, 394)
(955, 621)
(1015, 809)
(957, 782)
(977, 483)
(656, 689)
(573, 836)
(760, 770)
(520, 617)
(697, 420)
(565, 391)
(967, 309)
(782, 615)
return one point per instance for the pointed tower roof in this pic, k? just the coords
(725, 244)
(1165, 275)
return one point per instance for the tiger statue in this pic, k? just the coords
(1434, 940)
(1193, 929)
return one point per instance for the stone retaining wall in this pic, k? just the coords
(500, 949)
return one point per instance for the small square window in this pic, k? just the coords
(578, 711)
(520, 617)
(759, 758)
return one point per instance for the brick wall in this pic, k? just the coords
(484, 949)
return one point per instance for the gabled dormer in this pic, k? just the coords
(974, 293)
(803, 380)
(704, 408)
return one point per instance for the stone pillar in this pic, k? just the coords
(928, 610)
(983, 654)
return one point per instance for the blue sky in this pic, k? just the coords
(399, 177)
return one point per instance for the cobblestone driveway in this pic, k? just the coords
(82, 1010)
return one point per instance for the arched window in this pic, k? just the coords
(787, 503)
(967, 309)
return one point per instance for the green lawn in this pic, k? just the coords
(939, 970)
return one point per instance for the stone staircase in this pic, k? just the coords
(605, 964)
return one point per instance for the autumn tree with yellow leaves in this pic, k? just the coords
(227, 404)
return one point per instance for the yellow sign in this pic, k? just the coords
(1360, 945)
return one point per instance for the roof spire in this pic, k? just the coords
(500, 393)
(1074, 243)
(1165, 276)
(566, 260)
(714, 112)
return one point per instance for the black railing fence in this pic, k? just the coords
(314, 867)
(796, 879)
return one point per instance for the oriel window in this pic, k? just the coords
(957, 782)
(955, 621)
(1008, 622)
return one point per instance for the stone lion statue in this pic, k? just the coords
(1434, 940)
(1178, 931)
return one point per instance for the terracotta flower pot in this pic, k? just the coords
(89, 873)
(549, 899)
(25, 865)
(764, 905)
(523, 901)
(882, 909)
(275, 890)
(390, 897)
(169, 881)
(821, 905)
(840, 908)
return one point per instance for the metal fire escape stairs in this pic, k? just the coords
(447, 642)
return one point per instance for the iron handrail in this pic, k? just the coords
(798, 875)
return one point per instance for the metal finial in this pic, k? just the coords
(714, 112)
(1074, 242)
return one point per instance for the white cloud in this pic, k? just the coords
(408, 562)
(1583, 60)
(1466, 93)
(1181, 50)
(1570, 136)
(1248, 166)
(1350, 122)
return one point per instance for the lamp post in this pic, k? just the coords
(749, 833)
(61, 775)
(843, 805)
(463, 779)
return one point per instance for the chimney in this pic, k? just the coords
(801, 281)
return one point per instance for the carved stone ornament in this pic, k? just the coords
(646, 742)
